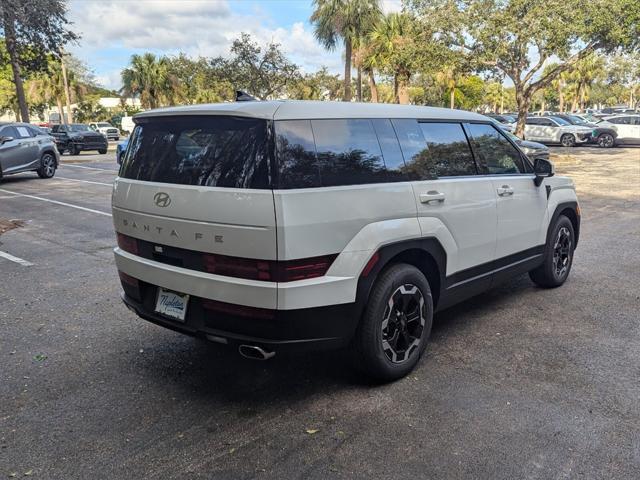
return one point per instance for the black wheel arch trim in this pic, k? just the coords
(562, 207)
(428, 245)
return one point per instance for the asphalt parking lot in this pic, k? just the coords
(517, 383)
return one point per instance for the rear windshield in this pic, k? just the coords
(215, 151)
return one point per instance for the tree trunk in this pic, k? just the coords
(542, 106)
(359, 85)
(347, 70)
(373, 87)
(67, 93)
(452, 98)
(523, 103)
(403, 90)
(574, 104)
(63, 119)
(10, 42)
(501, 98)
(560, 97)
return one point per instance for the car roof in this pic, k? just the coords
(620, 115)
(306, 110)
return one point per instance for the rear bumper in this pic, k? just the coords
(291, 331)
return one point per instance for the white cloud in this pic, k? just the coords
(114, 29)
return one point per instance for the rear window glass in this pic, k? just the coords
(216, 151)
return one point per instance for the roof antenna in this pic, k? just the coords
(244, 97)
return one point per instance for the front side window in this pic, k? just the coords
(215, 151)
(433, 150)
(494, 153)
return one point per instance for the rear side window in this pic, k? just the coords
(348, 152)
(494, 153)
(433, 150)
(337, 152)
(215, 151)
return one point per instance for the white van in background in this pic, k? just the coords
(127, 125)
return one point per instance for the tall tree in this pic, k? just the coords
(348, 21)
(35, 28)
(148, 77)
(518, 37)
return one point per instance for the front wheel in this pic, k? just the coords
(47, 166)
(558, 255)
(568, 140)
(396, 324)
(606, 140)
(74, 150)
(102, 151)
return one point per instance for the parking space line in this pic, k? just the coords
(18, 260)
(64, 204)
(89, 168)
(83, 181)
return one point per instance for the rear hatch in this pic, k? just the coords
(192, 184)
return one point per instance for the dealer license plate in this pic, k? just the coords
(172, 304)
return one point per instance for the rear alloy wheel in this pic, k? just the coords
(102, 151)
(568, 140)
(47, 166)
(396, 324)
(606, 140)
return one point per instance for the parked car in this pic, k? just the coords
(603, 135)
(25, 148)
(108, 130)
(77, 137)
(532, 150)
(121, 149)
(355, 223)
(547, 129)
(627, 126)
(507, 122)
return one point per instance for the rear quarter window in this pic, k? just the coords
(214, 151)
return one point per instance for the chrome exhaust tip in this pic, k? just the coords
(254, 352)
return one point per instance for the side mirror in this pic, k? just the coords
(542, 168)
(4, 140)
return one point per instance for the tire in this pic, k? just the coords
(606, 140)
(568, 140)
(74, 150)
(558, 255)
(400, 305)
(102, 151)
(47, 166)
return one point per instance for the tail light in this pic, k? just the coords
(239, 310)
(267, 270)
(127, 243)
(128, 279)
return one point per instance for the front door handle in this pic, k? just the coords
(505, 191)
(432, 197)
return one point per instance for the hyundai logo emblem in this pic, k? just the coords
(162, 199)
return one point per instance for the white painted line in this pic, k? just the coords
(8, 256)
(88, 168)
(83, 181)
(57, 202)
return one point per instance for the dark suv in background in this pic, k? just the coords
(77, 137)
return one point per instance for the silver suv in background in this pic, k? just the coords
(555, 130)
(25, 148)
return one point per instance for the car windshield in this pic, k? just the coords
(577, 120)
(509, 119)
(561, 121)
(511, 136)
(77, 127)
(104, 124)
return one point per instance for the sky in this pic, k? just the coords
(112, 30)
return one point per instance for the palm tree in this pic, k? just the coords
(49, 88)
(393, 46)
(148, 77)
(346, 20)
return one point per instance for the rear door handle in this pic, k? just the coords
(432, 197)
(505, 191)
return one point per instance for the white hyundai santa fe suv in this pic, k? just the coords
(282, 226)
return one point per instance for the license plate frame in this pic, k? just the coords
(172, 304)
